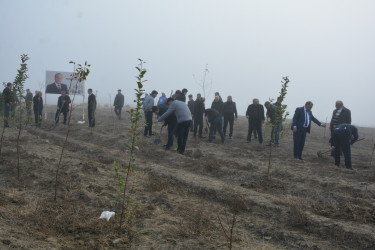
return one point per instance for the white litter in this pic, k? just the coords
(107, 215)
(81, 122)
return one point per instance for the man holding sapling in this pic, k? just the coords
(230, 114)
(182, 112)
(91, 108)
(118, 103)
(255, 114)
(301, 125)
(147, 106)
(62, 107)
(171, 120)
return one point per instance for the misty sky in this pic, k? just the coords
(326, 47)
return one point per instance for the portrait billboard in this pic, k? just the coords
(56, 81)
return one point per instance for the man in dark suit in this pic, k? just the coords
(57, 86)
(91, 108)
(255, 114)
(301, 125)
(118, 103)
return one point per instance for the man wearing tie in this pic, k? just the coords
(301, 125)
(57, 86)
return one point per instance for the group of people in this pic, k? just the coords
(9, 101)
(182, 118)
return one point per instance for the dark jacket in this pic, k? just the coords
(29, 98)
(91, 102)
(63, 102)
(191, 106)
(271, 113)
(8, 96)
(218, 106)
(38, 103)
(170, 120)
(211, 114)
(345, 117)
(199, 107)
(299, 119)
(255, 113)
(181, 97)
(119, 100)
(229, 109)
(349, 129)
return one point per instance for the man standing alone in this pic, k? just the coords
(91, 108)
(255, 114)
(147, 106)
(229, 113)
(119, 103)
(62, 107)
(301, 125)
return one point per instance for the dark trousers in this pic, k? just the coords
(91, 113)
(299, 138)
(229, 120)
(118, 111)
(64, 112)
(257, 126)
(183, 129)
(216, 124)
(148, 127)
(341, 141)
(38, 117)
(275, 133)
(198, 121)
(7, 111)
(192, 126)
(171, 130)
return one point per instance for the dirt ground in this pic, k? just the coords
(177, 200)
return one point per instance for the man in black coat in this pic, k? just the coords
(118, 103)
(191, 108)
(62, 107)
(214, 118)
(38, 108)
(91, 108)
(29, 101)
(182, 96)
(255, 114)
(229, 113)
(275, 121)
(8, 99)
(199, 109)
(57, 86)
(344, 135)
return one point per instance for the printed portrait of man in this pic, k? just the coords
(57, 86)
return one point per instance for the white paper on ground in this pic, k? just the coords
(107, 215)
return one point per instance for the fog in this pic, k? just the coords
(325, 47)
